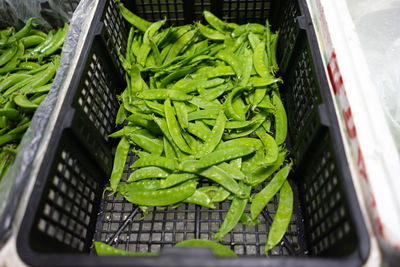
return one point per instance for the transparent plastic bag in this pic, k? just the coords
(379, 34)
(19, 175)
(51, 13)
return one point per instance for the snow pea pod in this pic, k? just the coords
(147, 141)
(103, 249)
(23, 102)
(147, 172)
(177, 47)
(210, 33)
(222, 155)
(13, 79)
(214, 21)
(136, 21)
(121, 155)
(240, 142)
(214, 137)
(57, 42)
(174, 129)
(6, 56)
(154, 160)
(203, 114)
(163, 94)
(264, 196)
(270, 146)
(215, 193)
(233, 216)
(218, 249)
(280, 119)
(176, 178)
(219, 176)
(282, 217)
(9, 113)
(200, 198)
(162, 197)
(260, 174)
(199, 129)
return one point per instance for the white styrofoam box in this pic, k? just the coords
(369, 144)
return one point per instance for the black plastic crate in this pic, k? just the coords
(67, 211)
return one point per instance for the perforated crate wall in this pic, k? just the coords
(302, 94)
(66, 216)
(328, 223)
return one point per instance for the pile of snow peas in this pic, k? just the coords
(202, 102)
(29, 59)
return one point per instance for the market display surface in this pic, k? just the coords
(202, 103)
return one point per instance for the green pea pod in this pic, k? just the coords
(271, 148)
(23, 32)
(218, 249)
(41, 78)
(140, 186)
(247, 67)
(210, 33)
(103, 249)
(259, 61)
(163, 94)
(35, 52)
(147, 172)
(32, 40)
(177, 47)
(280, 119)
(28, 65)
(282, 217)
(199, 130)
(215, 193)
(176, 178)
(214, 21)
(168, 149)
(136, 21)
(155, 107)
(38, 99)
(10, 113)
(227, 56)
(8, 138)
(162, 197)
(264, 196)
(121, 155)
(240, 107)
(235, 173)
(241, 142)
(263, 81)
(254, 40)
(174, 129)
(219, 176)
(162, 124)
(233, 216)
(229, 109)
(57, 43)
(154, 160)
(214, 137)
(23, 102)
(274, 44)
(200, 198)
(147, 141)
(205, 104)
(12, 64)
(222, 155)
(260, 174)
(7, 56)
